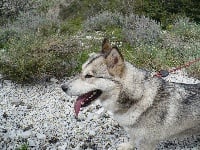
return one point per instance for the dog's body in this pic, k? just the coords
(149, 108)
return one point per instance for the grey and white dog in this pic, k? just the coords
(149, 108)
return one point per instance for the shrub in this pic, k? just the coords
(141, 30)
(136, 29)
(32, 60)
(185, 29)
(164, 12)
(11, 9)
(5, 35)
(23, 147)
(32, 47)
(30, 22)
(167, 11)
(103, 20)
(70, 27)
(183, 38)
(85, 8)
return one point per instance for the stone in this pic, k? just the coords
(62, 147)
(41, 136)
(31, 143)
(26, 134)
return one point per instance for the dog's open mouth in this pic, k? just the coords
(85, 100)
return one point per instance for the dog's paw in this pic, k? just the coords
(125, 146)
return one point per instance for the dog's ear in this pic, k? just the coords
(115, 62)
(106, 47)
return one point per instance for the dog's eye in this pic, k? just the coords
(88, 76)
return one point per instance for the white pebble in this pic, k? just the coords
(63, 147)
(92, 133)
(31, 143)
(41, 136)
(26, 134)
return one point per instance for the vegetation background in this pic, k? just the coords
(40, 39)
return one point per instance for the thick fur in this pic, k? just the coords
(149, 108)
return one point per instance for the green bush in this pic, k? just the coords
(5, 35)
(186, 29)
(30, 59)
(86, 8)
(23, 147)
(34, 47)
(70, 27)
(11, 9)
(135, 29)
(167, 12)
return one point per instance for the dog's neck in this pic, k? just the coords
(133, 81)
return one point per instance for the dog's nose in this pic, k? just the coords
(64, 87)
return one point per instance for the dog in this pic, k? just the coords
(149, 108)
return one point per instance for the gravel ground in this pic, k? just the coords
(42, 117)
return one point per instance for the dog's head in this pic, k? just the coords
(99, 78)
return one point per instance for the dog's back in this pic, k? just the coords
(175, 112)
(189, 108)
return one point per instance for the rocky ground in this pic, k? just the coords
(42, 117)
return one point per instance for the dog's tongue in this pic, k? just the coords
(77, 105)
